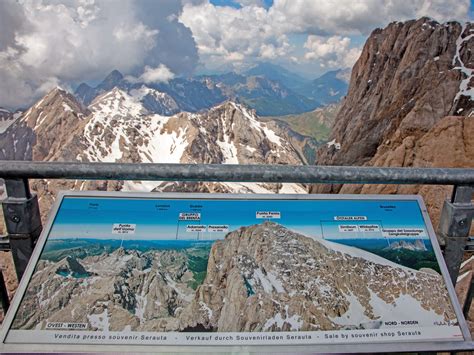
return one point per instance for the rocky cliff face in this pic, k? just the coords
(449, 143)
(407, 78)
(15, 139)
(268, 278)
(408, 104)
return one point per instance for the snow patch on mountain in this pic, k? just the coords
(100, 321)
(140, 307)
(404, 307)
(67, 107)
(205, 308)
(229, 151)
(359, 253)
(114, 116)
(117, 103)
(334, 144)
(279, 320)
(6, 122)
(464, 88)
(355, 313)
(269, 282)
(254, 187)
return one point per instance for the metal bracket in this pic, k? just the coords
(21, 215)
(22, 221)
(454, 226)
(4, 243)
(456, 219)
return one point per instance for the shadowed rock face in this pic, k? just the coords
(268, 278)
(408, 105)
(406, 80)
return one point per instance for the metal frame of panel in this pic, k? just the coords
(466, 344)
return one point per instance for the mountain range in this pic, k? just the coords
(269, 89)
(118, 126)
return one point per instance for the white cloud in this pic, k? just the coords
(153, 75)
(229, 35)
(333, 52)
(82, 39)
(67, 44)
(251, 33)
(339, 17)
(62, 41)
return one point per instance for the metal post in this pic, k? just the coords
(4, 299)
(22, 221)
(454, 226)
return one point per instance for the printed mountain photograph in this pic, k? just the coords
(265, 276)
(239, 284)
(308, 83)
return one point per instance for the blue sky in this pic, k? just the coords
(237, 5)
(94, 218)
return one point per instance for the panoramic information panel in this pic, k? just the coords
(161, 270)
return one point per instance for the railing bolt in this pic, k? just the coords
(15, 219)
(462, 222)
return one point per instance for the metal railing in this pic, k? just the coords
(23, 223)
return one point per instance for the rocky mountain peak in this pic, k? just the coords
(240, 138)
(266, 277)
(57, 100)
(155, 101)
(410, 87)
(56, 113)
(233, 106)
(86, 94)
(111, 80)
